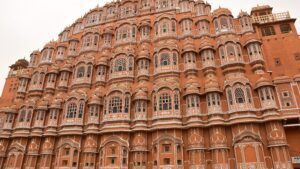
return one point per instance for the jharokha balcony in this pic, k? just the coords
(81, 81)
(116, 117)
(121, 74)
(166, 114)
(166, 69)
(272, 18)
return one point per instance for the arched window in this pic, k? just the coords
(216, 24)
(173, 26)
(239, 95)
(71, 110)
(35, 79)
(165, 59)
(89, 71)
(174, 59)
(239, 50)
(230, 50)
(81, 110)
(133, 32)
(155, 61)
(22, 115)
(126, 106)
(165, 102)
(87, 41)
(29, 114)
(262, 97)
(115, 105)
(42, 77)
(222, 52)
(229, 95)
(154, 104)
(176, 102)
(165, 28)
(80, 72)
(156, 29)
(96, 39)
(248, 92)
(120, 65)
(224, 23)
(44, 55)
(130, 64)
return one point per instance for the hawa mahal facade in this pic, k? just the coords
(158, 84)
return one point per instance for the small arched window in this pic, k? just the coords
(126, 106)
(22, 115)
(81, 110)
(165, 102)
(224, 23)
(133, 32)
(154, 104)
(42, 77)
(130, 64)
(222, 52)
(89, 71)
(230, 50)
(239, 95)
(165, 59)
(165, 27)
(71, 110)
(174, 59)
(173, 26)
(80, 72)
(120, 65)
(229, 95)
(96, 39)
(29, 114)
(35, 78)
(176, 102)
(216, 24)
(115, 105)
(248, 92)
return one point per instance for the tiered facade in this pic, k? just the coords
(159, 84)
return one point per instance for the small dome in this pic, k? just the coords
(102, 61)
(95, 100)
(56, 103)
(200, 2)
(192, 86)
(188, 46)
(221, 11)
(42, 105)
(66, 67)
(263, 81)
(243, 13)
(144, 53)
(105, 53)
(108, 30)
(25, 74)
(140, 95)
(50, 44)
(53, 69)
(212, 85)
(10, 109)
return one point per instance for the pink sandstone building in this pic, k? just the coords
(158, 84)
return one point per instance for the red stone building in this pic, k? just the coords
(158, 84)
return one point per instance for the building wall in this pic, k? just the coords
(158, 85)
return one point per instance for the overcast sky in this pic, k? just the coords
(26, 25)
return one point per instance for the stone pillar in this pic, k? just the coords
(278, 145)
(219, 148)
